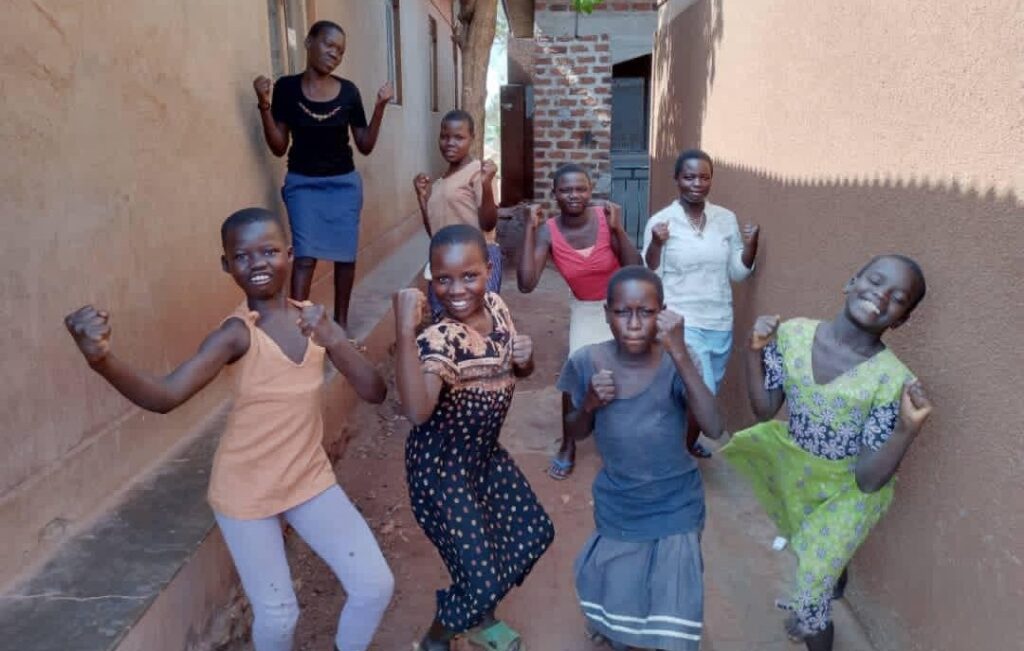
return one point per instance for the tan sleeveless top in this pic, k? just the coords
(271, 456)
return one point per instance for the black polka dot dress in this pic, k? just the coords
(467, 494)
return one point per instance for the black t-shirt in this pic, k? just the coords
(319, 130)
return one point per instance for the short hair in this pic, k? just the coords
(692, 154)
(458, 115)
(568, 168)
(635, 272)
(247, 216)
(914, 267)
(321, 26)
(458, 234)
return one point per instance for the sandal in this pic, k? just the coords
(426, 644)
(496, 637)
(560, 469)
(700, 451)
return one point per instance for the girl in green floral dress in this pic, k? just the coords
(854, 410)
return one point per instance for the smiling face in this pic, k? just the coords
(325, 50)
(455, 140)
(694, 180)
(572, 193)
(882, 295)
(632, 314)
(258, 258)
(460, 273)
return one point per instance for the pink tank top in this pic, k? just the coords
(586, 273)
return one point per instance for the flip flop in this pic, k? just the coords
(496, 637)
(700, 451)
(560, 469)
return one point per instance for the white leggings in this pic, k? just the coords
(339, 535)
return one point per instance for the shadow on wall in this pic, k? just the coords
(949, 531)
(684, 72)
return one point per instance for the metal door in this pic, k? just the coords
(630, 189)
(516, 144)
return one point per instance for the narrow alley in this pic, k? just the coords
(743, 575)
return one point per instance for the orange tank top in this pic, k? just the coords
(271, 456)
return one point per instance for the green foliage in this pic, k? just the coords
(585, 6)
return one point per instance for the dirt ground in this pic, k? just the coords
(743, 576)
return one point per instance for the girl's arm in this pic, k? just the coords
(621, 243)
(699, 398)
(534, 254)
(91, 331)
(422, 185)
(417, 389)
(764, 402)
(275, 133)
(366, 137)
(487, 215)
(325, 332)
(875, 467)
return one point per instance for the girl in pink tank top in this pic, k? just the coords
(588, 244)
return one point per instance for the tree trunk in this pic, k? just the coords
(477, 20)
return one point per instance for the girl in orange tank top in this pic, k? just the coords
(270, 464)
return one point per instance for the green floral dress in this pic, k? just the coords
(803, 474)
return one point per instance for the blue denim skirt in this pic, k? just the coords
(323, 212)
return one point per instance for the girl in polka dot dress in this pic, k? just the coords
(456, 381)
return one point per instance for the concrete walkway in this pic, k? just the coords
(743, 575)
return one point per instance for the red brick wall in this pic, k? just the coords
(607, 5)
(572, 110)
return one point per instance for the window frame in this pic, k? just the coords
(393, 47)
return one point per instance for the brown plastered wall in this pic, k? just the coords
(852, 129)
(130, 131)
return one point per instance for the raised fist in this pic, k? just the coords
(314, 323)
(659, 232)
(423, 186)
(915, 407)
(410, 307)
(263, 87)
(488, 170)
(385, 94)
(91, 331)
(763, 331)
(522, 350)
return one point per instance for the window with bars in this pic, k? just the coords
(287, 20)
(435, 90)
(392, 26)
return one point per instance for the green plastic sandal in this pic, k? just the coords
(496, 637)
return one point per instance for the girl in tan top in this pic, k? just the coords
(270, 464)
(463, 195)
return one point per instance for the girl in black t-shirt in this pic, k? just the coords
(323, 192)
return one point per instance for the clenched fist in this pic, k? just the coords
(488, 170)
(915, 407)
(670, 331)
(385, 94)
(659, 232)
(90, 329)
(423, 187)
(315, 324)
(601, 391)
(263, 87)
(410, 307)
(763, 331)
(522, 351)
